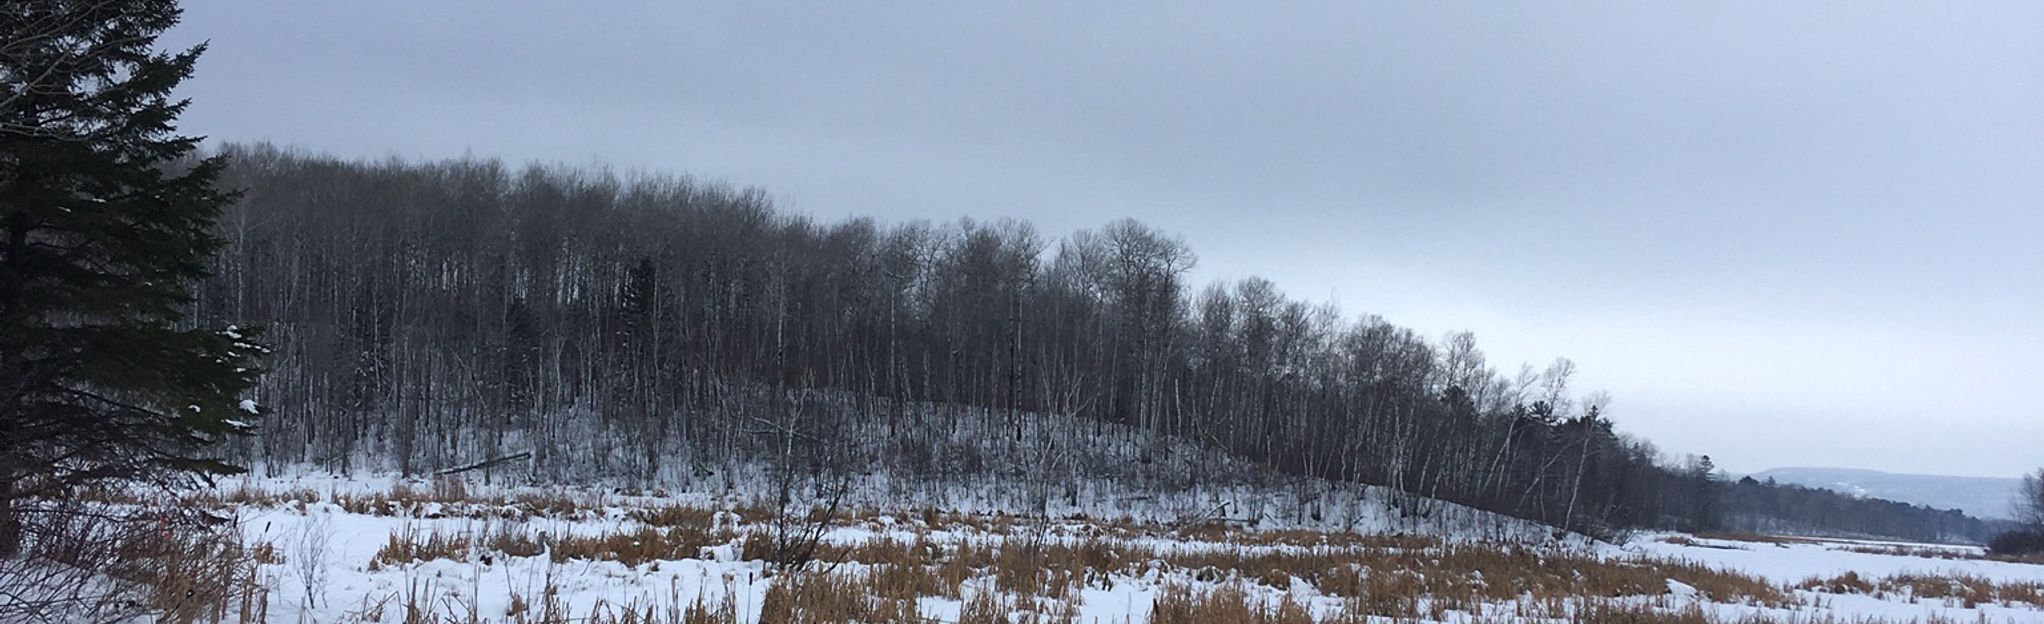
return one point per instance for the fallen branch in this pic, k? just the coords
(487, 463)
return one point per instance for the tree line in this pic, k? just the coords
(1757, 506)
(630, 327)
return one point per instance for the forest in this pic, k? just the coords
(1755, 506)
(649, 328)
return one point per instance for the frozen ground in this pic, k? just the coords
(326, 542)
(1796, 560)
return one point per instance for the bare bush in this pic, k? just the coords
(309, 557)
(82, 563)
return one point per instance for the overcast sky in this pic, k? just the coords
(1782, 234)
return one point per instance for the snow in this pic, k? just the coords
(1794, 562)
(1681, 590)
(488, 583)
(249, 405)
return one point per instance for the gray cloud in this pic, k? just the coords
(1802, 233)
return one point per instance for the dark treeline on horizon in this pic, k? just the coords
(432, 314)
(1755, 506)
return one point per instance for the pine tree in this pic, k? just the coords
(106, 218)
(1703, 478)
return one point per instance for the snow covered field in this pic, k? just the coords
(381, 550)
(1797, 559)
(1798, 562)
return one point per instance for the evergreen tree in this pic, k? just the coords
(1703, 477)
(105, 222)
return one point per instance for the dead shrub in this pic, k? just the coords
(961, 566)
(633, 548)
(376, 504)
(884, 549)
(407, 545)
(548, 504)
(804, 598)
(1227, 604)
(80, 562)
(1388, 581)
(1961, 590)
(1847, 583)
(675, 515)
(1606, 611)
(265, 553)
(196, 576)
(985, 607)
(514, 543)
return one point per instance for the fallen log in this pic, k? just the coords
(487, 463)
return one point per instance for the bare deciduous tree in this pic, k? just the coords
(2029, 503)
(436, 315)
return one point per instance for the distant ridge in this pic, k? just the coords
(1980, 497)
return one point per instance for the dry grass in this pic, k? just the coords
(984, 608)
(265, 552)
(803, 598)
(1963, 591)
(1386, 580)
(1039, 571)
(513, 543)
(644, 545)
(199, 576)
(1391, 576)
(648, 544)
(1035, 575)
(1226, 533)
(1847, 583)
(408, 545)
(442, 497)
(437, 501)
(1000, 566)
(1227, 604)
(675, 515)
(1924, 552)
(82, 563)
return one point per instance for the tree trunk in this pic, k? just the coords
(10, 523)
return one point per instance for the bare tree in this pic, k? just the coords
(431, 314)
(809, 489)
(2029, 503)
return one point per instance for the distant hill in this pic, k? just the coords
(1980, 497)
